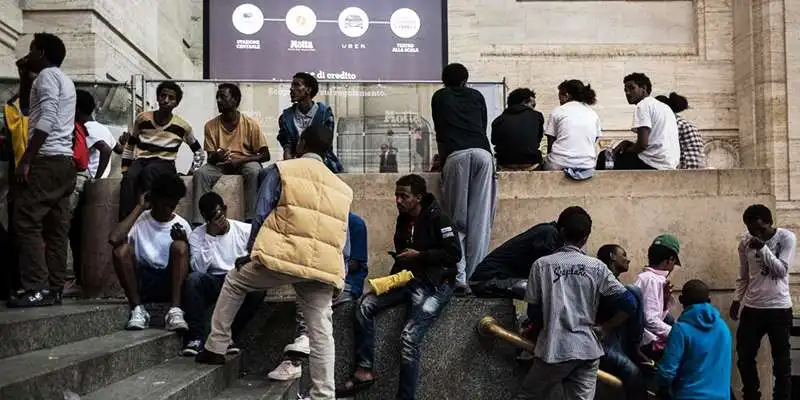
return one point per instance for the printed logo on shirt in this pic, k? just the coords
(571, 270)
(447, 232)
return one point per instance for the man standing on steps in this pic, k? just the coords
(298, 237)
(45, 177)
(563, 294)
(469, 188)
(235, 146)
(303, 113)
(765, 255)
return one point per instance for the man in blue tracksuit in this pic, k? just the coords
(697, 360)
(303, 113)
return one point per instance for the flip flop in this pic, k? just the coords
(355, 386)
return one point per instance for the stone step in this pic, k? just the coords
(256, 389)
(29, 329)
(84, 366)
(176, 379)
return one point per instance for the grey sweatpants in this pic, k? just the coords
(469, 197)
(207, 176)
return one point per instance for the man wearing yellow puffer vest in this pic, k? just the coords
(298, 238)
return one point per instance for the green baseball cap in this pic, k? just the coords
(670, 242)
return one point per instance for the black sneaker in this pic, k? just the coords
(207, 357)
(233, 349)
(192, 347)
(32, 298)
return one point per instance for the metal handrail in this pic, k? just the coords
(488, 326)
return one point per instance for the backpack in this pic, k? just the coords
(80, 151)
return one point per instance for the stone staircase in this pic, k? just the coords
(79, 348)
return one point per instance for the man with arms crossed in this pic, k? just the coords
(235, 146)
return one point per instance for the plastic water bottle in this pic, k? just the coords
(609, 159)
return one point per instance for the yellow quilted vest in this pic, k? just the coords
(18, 125)
(305, 234)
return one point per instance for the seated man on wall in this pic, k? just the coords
(657, 145)
(427, 247)
(504, 272)
(235, 146)
(623, 357)
(151, 253)
(214, 248)
(303, 113)
(153, 147)
(517, 133)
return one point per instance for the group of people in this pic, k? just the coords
(664, 140)
(299, 229)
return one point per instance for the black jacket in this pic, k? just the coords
(517, 134)
(460, 119)
(435, 239)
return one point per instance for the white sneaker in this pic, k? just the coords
(139, 320)
(286, 371)
(174, 320)
(301, 345)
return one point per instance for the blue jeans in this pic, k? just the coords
(618, 347)
(425, 302)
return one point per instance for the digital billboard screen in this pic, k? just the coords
(355, 40)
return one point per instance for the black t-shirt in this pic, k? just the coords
(514, 258)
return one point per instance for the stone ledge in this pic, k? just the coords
(703, 208)
(456, 363)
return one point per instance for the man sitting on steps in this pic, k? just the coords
(214, 248)
(151, 253)
(428, 248)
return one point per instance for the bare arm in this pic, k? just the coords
(120, 234)
(105, 157)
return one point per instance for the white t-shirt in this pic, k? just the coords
(575, 126)
(663, 149)
(217, 254)
(151, 239)
(98, 133)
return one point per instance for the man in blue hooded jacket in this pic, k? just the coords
(697, 361)
(303, 113)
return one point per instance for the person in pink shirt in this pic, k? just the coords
(662, 257)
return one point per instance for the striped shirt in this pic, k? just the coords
(150, 140)
(568, 285)
(693, 155)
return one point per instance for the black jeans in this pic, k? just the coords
(200, 291)
(508, 288)
(753, 325)
(137, 180)
(630, 161)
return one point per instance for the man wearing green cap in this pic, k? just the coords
(662, 257)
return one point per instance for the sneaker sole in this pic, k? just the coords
(233, 352)
(178, 328)
(189, 353)
(284, 379)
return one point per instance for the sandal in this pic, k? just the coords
(354, 386)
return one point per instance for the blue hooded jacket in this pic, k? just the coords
(288, 136)
(697, 360)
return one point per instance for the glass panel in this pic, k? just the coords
(392, 120)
